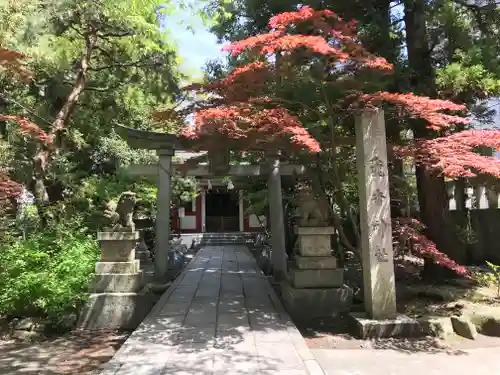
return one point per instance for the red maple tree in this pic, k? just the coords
(239, 106)
(455, 155)
(12, 63)
(244, 113)
(409, 229)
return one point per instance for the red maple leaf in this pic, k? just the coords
(405, 229)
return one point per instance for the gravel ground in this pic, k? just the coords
(421, 345)
(73, 353)
(339, 353)
(336, 334)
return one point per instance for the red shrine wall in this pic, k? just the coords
(192, 222)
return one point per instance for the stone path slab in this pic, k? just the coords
(221, 316)
(392, 362)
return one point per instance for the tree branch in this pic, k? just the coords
(136, 63)
(104, 52)
(478, 12)
(116, 34)
(397, 21)
(394, 5)
(72, 27)
(78, 86)
(108, 88)
(475, 7)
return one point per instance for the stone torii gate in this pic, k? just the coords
(375, 223)
(165, 146)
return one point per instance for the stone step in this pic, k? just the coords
(220, 244)
(227, 235)
(105, 311)
(317, 278)
(132, 267)
(316, 303)
(223, 241)
(116, 283)
(316, 263)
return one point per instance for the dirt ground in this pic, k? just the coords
(335, 334)
(72, 353)
(83, 353)
(416, 299)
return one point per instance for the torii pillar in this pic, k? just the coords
(165, 146)
(278, 255)
(163, 202)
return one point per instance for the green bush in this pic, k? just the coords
(490, 278)
(46, 276)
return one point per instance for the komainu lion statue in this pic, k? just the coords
(311, 211)
(121, 215)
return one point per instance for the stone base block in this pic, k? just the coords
(175, 259)
(306, 304)
(110, 311)
(117, 246)
(314, 241)
(315, 246)
(116, 283)
(132, 267)
(317, 278)
(148, 275)
(316, 263)
(314, 231)
(401, 327)
(143, 256)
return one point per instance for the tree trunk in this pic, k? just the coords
(383, 44)
(433, 202)
(43, 155)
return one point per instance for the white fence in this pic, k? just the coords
(472, 195)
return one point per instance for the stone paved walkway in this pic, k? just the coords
(220, 317)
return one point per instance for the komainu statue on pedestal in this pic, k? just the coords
(121, 215)
(312, 211)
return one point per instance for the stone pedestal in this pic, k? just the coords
(316, 287)
(116, 300)
(142, 252)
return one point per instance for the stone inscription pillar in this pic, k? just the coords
(375, 220)
(278, 256)
(163, 201)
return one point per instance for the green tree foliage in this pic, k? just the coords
(93, 64)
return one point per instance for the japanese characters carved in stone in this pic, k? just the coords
(381, 254)
(121, 216)
(377, 167)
